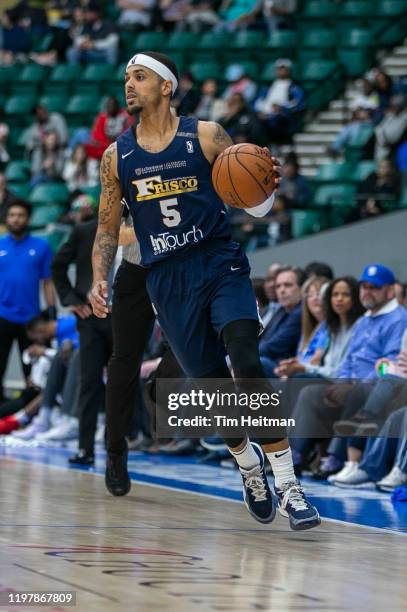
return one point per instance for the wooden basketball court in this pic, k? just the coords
(159, 548)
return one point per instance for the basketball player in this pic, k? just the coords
(199, 280)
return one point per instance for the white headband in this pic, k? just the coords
(156, 66)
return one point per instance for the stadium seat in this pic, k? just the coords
(28, 80)
(250, 68)
(49, 192)
(21, 190)
(182, 41)
(18, 171)
(357, 9)
(334, 195)
(318, 38)
(356, 37)
(54, 103)
(319, 10)
(149, 40)
(61, 78)
(354, 151)
(42, 215)
(205, 70)
(304, 222)
(214, 40)
(8, 75)
(18, 109)
(319, 70)
(268, 74)
(363, 170)
(98, 73)
(55, 237)
(354, 61)
(390, 8)
(334, 173)
(246, 40)
(81, 109)
(281, 43)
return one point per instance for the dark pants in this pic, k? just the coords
(8, 333)
(132, 323)
(96, 344)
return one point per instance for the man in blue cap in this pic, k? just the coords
(376, 335)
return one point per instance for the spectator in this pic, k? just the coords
(233, 11)
(80, 171)
(282, 103)
(186, 99)
(384, 86)
(259, 292)
(314, 331)
(173, 12)
(210, 107)
(95, 41)
(374, 336)
(44, 123)
(201, 15)
(293, 185)
(401, 158)
(4, 134)
(279, 221)
(270, 291)
(360, 119)
(391, 130)
(319, 268)
(280, 338)
(24, 267)
(275, 14)
(15, 41)
(6, 198)
(47, 161)
(343, 309)
(135, 14)
(378, 189)
(367, 98)
(108, 126)
(400, 290)
(239, 83)
(239, 121)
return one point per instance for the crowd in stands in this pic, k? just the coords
(337, 344)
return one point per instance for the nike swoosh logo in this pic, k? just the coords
(282, 454)
(127, 154)
(234, 269)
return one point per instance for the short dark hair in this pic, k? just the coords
(319, 268)
(164, 59)
(22, 204)
(258, 288)
(299, 273)
(32, 323)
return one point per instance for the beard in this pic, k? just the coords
(17, 231)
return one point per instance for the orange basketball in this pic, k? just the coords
(244, 175)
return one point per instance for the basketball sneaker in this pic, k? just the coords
(116, 476)
(395, 478)
(294, 505)
(256, 491)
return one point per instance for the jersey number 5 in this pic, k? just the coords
(171, 216)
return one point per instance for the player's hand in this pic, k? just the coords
(277, 167)
(83, 311)
(98, 299)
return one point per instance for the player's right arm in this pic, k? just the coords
(107, 234)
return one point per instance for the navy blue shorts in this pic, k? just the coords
(197, 293)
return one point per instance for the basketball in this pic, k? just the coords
(244, 175)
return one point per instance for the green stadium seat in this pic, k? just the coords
(98, 73)
(335, 195)
(319, 70)
(33, 73)
(18, 171)
(392, 35)
(250, 68)
(317, 10)
(206, 70)
(363, 170)
(49, 192)
(356, 37)
(21, 190)
(42, 215)
(8, 75)
(54, 103)
(82, 109)
(403, 199)
(66, 73)
(354, 151)
(41, 43)
(19, 109)
(268, 74)
(304, 222)
(391, 8)
(214, 40)
(94, 192)
(150, 41)
(354, 61)
(334, 173)
(357, 9)
(182, 41)
(246, 40)
(282, 41)
(318, 38)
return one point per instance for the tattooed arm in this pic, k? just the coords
(107, 235)
(213, 139)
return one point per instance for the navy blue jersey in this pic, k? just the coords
(170, 194)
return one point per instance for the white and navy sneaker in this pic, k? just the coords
(256, 491)
(294, 505)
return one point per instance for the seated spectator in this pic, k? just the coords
(314, 331)
(239, 120)
(400, 290)
(173, 13)
(281, 104)
(293, 185)
(280, 338)
(384, 87)
(201, 15)
(319, 268)
(186, 98)
(239, 83)
(378, 189)
(232, 12)
(80, 171)
(272, 229)
(401, 159)
(210, 107)
(274, 14)
(279, 221)
(47, 162)
(135, 14)
(375, 335)
(95, 41)
(261, 297)
(44, 122)
(391, 131)
(108, 126)
(4, 134)
(270, 291)
(15, 40)
(343, 309)
(6, 198)
(368, 98)
(361, 117)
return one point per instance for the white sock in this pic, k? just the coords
(282, 466)
(246, 458)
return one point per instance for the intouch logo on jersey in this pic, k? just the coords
(165, 242)
(154, 187)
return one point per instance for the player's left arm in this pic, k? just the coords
(214, 140)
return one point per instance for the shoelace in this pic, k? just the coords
(257, 486)
(295, 495)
